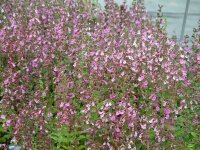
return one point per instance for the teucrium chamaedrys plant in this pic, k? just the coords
(109, 73)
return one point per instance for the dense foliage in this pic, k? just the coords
(76, 76)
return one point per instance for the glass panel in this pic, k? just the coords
(174, 11)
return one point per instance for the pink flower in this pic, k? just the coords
(112, 96)
(117, 130)
(153, 97)
(167, 111)
(120, 112)
(8, 123)
(141, 78)
(195, 121)
(164, 103)
(183, 102)
(70, 85)
(61, 105)
(157, 108)
(198, 57)
(67, 104)
(144, 84)
(144, 126)
(186, 83)
(182, 62)
(167, 117)
(113, 118)
(3, 117)
(71, 95)
(52, 56)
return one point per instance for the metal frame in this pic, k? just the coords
(184, 20)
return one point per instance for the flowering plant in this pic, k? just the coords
(111, 73)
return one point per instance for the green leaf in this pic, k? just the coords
(191, 146)
(94, 116)
(132, 101)
(7, 136)
(2, 140)
(152, 135)
(195, 135)
(82, 147)
(99, 105)
(82, 137)
(139, 146)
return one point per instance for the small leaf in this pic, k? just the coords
(195, 135)
(82, 147)
(191, 146)
(81, 137)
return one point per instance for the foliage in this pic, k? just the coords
(4, 136)
(65, 139)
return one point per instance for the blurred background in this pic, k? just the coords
(182, 15)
